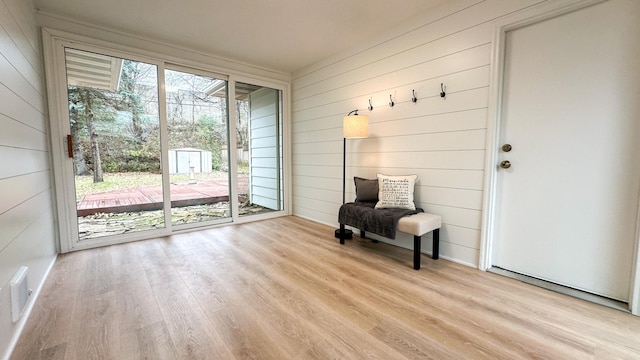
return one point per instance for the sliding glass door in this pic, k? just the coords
(114, 144)
(117, 153)
(146, 148)
(198, 142)
(259, 148)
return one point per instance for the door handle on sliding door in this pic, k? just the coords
(70, 146)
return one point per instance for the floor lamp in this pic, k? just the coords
(354, 126)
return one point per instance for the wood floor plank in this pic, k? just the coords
(373, 303)
(452, 325)
(97, 279)
(456, 325)
(184, 316)
(95, 328)
(270, 293)
(284, 327)
(150, 342)
(231, 316)
(54, 353)
(319, 319)
(286, 289)
(133, 292)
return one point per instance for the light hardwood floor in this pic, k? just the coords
(285, 289)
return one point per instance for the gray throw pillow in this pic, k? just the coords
(366, 189)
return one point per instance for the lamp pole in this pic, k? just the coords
(344, 167)
(343, 233)
(352, 127)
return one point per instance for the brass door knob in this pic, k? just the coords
(505, 164)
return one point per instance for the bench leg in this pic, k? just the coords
(417, 246)
(435, 253)
(363, 236)
(342, 234)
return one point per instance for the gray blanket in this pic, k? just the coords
(364, 216)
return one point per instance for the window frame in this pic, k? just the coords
(54, 44)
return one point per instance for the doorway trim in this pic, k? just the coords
(530, 16)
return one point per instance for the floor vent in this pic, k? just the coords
(20, 293)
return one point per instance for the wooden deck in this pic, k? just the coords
(150, 197)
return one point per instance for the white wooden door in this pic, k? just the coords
(567, 207)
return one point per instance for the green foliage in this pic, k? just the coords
(83, 100)
(127, 125)
(207, 133)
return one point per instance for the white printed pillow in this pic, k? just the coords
(396, 192)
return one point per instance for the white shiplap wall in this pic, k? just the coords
(440, 140)
(26, 209)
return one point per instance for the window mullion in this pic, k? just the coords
(233, 152)
(164, 146)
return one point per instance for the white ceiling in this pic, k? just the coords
(284, 35)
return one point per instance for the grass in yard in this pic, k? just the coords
(115, 181)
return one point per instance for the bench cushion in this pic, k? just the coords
(419, 224)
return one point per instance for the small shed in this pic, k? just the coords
(181, 160)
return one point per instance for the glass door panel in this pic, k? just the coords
(115, 143)
(259, 141)
(198, 140)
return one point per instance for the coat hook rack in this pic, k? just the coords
(442, 93)
(370, 106)
(414, 99)
(391, 103)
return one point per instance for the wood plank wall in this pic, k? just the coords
(442, 140)
(266, 182)
(26, 208)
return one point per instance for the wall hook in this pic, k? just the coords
(391, 103)
(370, 106)
(414, 99)
(442, 87)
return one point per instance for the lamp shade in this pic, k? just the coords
(355, 126)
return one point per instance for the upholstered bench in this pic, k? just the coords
(385, 206)
(417, 225)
